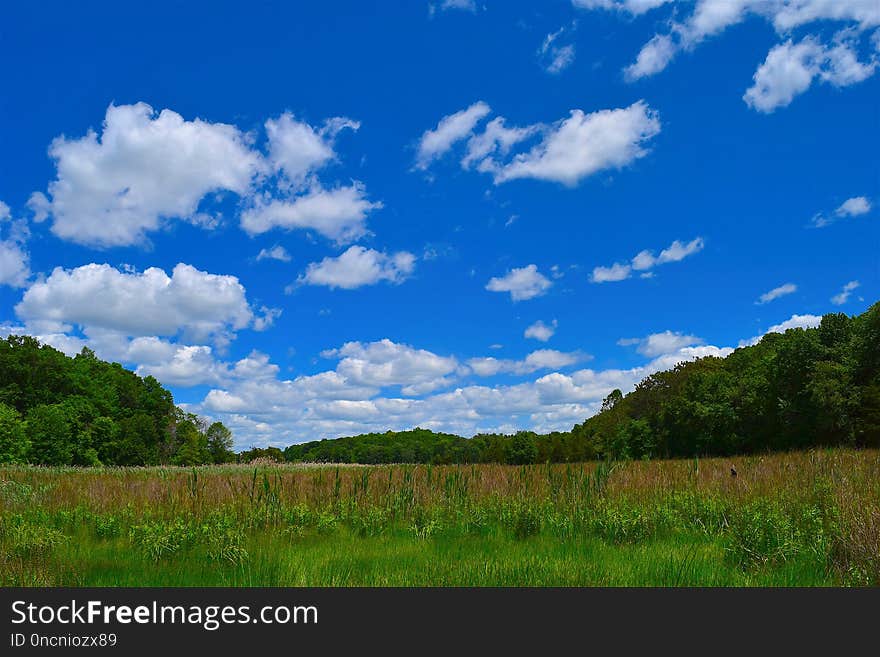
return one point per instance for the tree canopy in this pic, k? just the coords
(57, 410)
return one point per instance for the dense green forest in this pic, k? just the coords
(57, 410)
(803, 388)
(799, 389)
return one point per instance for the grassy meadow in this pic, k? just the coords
(795, 519)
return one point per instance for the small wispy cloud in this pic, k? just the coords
(776, 292)
(554, 55)
(851, 207)
(843, 296)
(277, 252)
(446, 5)
(645, 260)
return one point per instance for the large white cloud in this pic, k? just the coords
(115, 187)
(143, 169)
(192, 302)
(569, 150)
(790, 69)
(156, 323)
(359, 266)
(522, 283)
(299, 200)
(584, 144)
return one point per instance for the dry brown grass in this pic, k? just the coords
(852, 476)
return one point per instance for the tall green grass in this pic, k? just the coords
(802, 519)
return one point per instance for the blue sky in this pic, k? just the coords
(311, 221)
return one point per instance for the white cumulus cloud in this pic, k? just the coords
(568, 151)
(144, 167)
(309, 407)
(584, 144)
(853, 207)
(339, 214)
(359, 266)
(522, 283)
(386, 363)
(541, 331)
(790, 69)
(653, 58)
(297, 149)
(194, 302)
(612, 274)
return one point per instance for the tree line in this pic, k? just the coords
(57, 410)
(804, 388)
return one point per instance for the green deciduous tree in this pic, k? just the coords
(220, 443)
(49, 431)
(14, 445)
